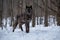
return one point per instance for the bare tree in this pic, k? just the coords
(1, 12)
(46, 13)
(33, 18)
(58, 14)
(37, 12)
(41, 14)
(5, 14)
(11, 10)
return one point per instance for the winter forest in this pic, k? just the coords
(29, 19)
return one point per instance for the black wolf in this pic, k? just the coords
(24, 18)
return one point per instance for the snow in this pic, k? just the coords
(39, 32)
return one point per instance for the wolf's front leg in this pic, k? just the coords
(20, 26)
(27, 27)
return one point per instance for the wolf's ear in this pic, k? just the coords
(27, 6)
(31, 6)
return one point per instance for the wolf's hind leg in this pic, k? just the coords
(15, 25)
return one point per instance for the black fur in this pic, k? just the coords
(24, 18)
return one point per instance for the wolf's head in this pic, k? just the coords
(29, 8)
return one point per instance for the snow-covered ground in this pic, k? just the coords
(39, 32)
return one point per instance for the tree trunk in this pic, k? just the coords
(11, 8)
(5, 14)
(1, 12)
(37, 12)
(1, 19)
(33, 18)
(46, 13)
(58, 14)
